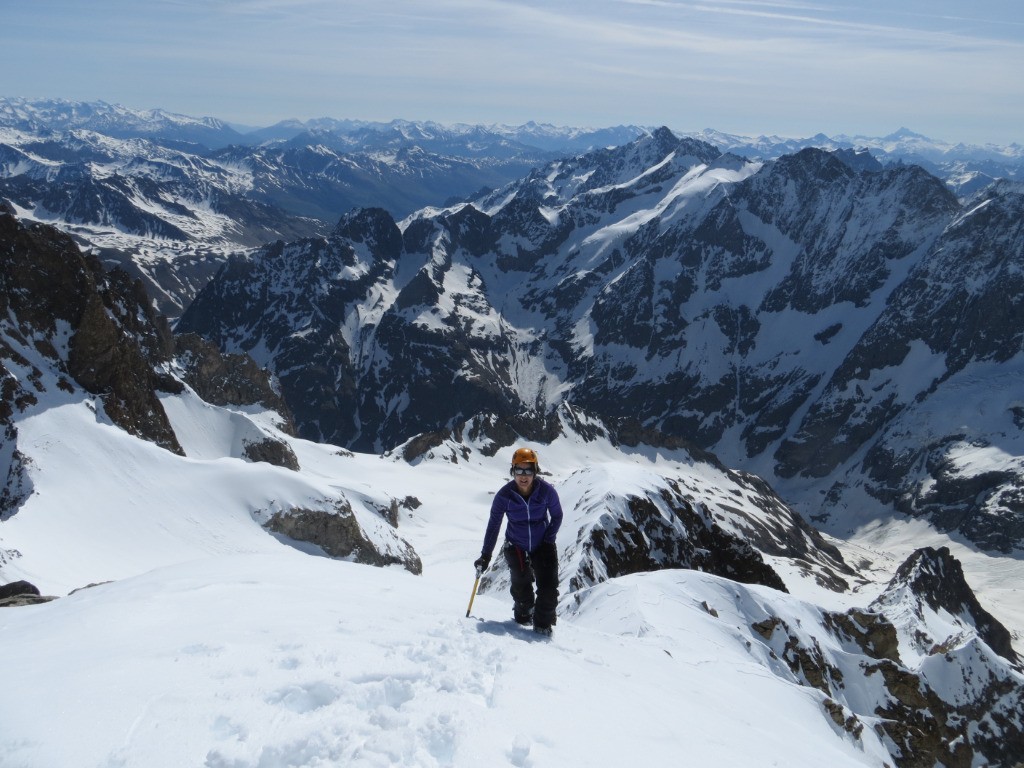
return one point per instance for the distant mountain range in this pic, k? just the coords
(965, 168)
(57, 115)
(160, 126)
(168, 196)
(60, 115)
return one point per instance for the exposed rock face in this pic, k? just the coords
(20, 593)
(19, 600)
(17, 588)
(16, 484)
(665, 531)
(272, 451)
(227, 379)
(339, 534)
(934, 578)
(58, 306)
(777, 529)
(942, 695)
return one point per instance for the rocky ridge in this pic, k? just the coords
(919, 652)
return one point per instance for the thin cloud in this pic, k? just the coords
(939, 66)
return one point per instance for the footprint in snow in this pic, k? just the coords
(304, 698)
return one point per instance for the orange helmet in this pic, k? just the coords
(525, 456)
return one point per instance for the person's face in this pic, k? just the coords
(524, 479)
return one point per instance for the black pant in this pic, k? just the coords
(542, 564)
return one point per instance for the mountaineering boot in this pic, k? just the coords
(546, 631)
(522, 614)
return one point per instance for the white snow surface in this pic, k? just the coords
(212, 643)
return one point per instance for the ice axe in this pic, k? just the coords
(476, 584)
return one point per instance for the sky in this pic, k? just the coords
(948, 69)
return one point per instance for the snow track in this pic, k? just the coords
(251, 661)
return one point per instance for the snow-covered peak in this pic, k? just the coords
(930, 601)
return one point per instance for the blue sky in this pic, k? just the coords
(951, 70)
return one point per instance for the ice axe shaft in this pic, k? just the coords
(473, 595)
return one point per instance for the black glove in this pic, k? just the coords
(482, 562)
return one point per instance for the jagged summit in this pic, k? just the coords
(935, 577)
(905, 133)
(374, 228)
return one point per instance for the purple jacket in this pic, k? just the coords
(530, 521)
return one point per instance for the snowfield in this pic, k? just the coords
(282, 659)
(211, 642)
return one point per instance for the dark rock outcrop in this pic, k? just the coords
(17, 588)
(271, 451)
(95, 327)
(21, 593)
(338, 533)
(653, 533)
(227, 379)
(934, 578)
(925, 696)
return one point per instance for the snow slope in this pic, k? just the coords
(280, 659)
(217, 644)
